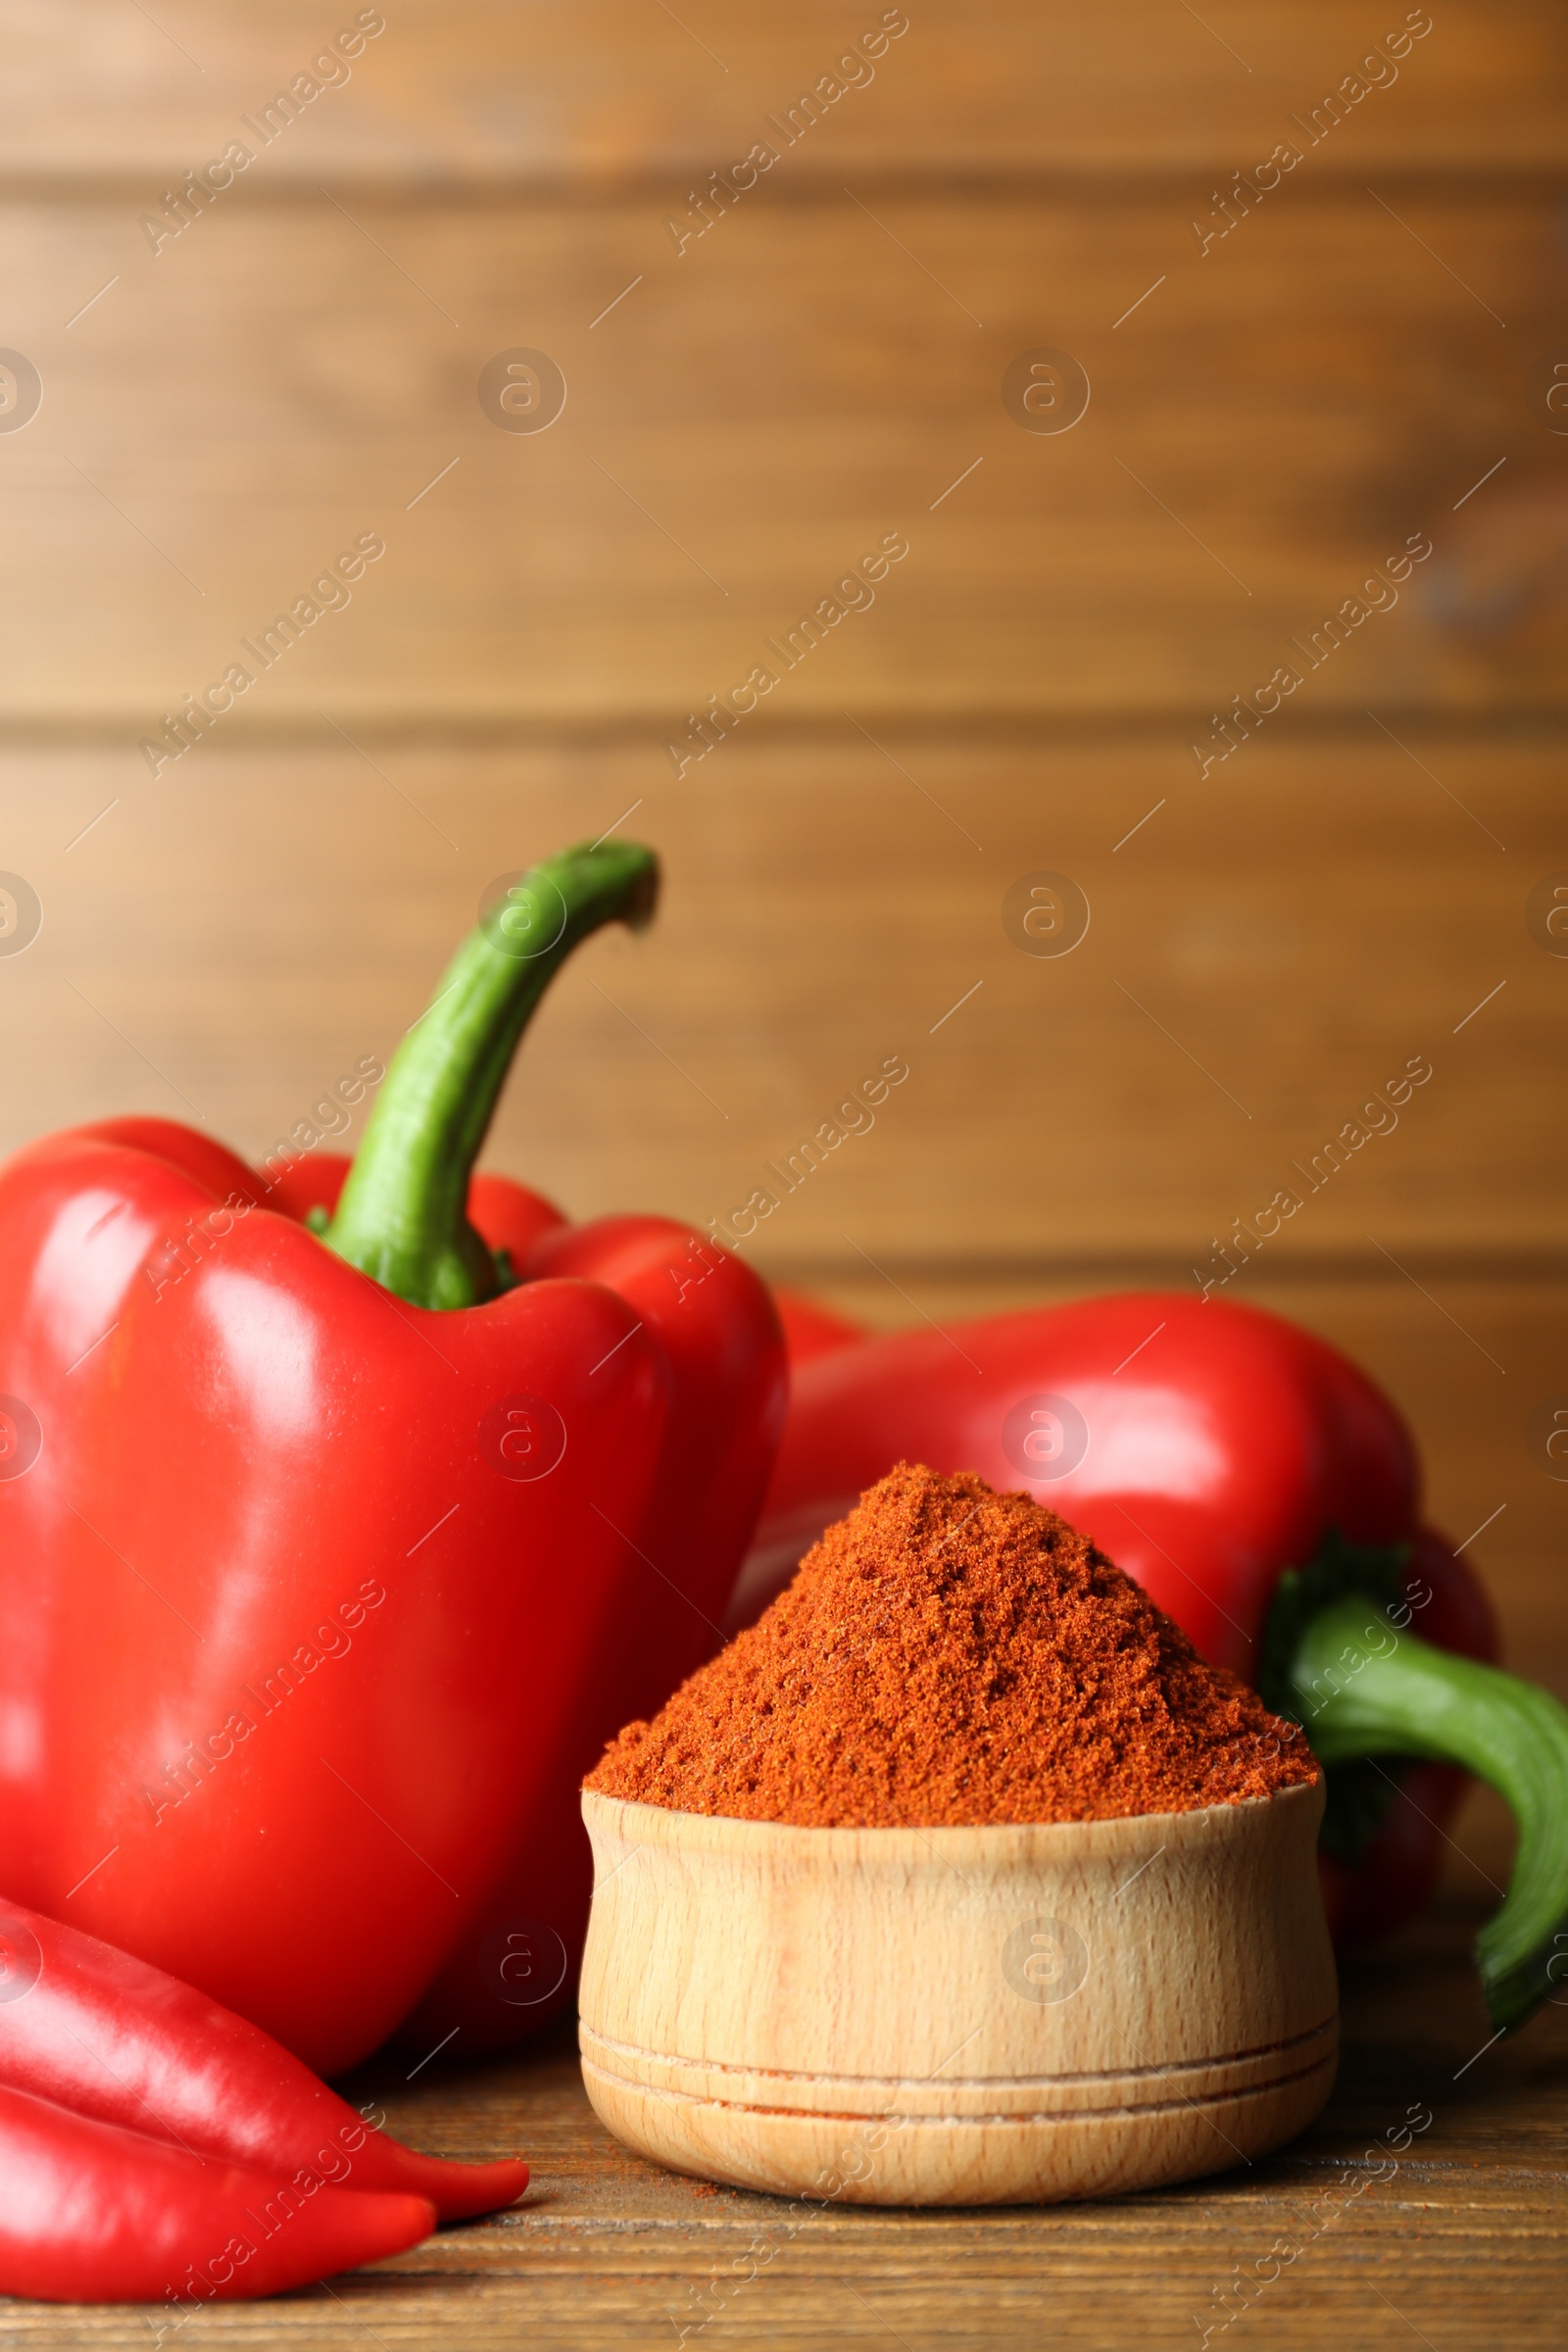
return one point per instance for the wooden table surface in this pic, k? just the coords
(1289, 384)
(1426, 2206)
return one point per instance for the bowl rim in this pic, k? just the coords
(662, 1826)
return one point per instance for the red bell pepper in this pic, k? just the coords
(1267, 1495)
(330, 1561)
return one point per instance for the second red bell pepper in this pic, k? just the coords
(1267, 1495)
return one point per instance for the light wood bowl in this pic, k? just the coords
(957, 2016)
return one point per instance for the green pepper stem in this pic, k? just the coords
(402, 1217)
(1361, 1687)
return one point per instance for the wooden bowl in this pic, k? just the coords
(957, 2016)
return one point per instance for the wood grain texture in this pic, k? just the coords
(1000, 2016)
(1456, 2234)
(1263, 952)
(466, 92)
(751, 420)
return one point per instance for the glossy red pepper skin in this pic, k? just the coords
(1222, 1444)
(267, 1461)
(110, 2038)
(716, 1332)
(92, 2213)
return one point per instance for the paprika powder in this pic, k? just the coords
(948, 1655)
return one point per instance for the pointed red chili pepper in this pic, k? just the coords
(119, 2042)
(91, 2213)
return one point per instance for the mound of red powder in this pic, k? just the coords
(946, 1655)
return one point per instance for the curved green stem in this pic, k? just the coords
(403, 1213)
(1360, 1686)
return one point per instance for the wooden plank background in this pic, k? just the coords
(481, 92)
(1367, 356)
(710, 481)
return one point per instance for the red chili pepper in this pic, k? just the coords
(91, 2213)
(116, 2041)
(1266, 1495)
(329, 1562)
